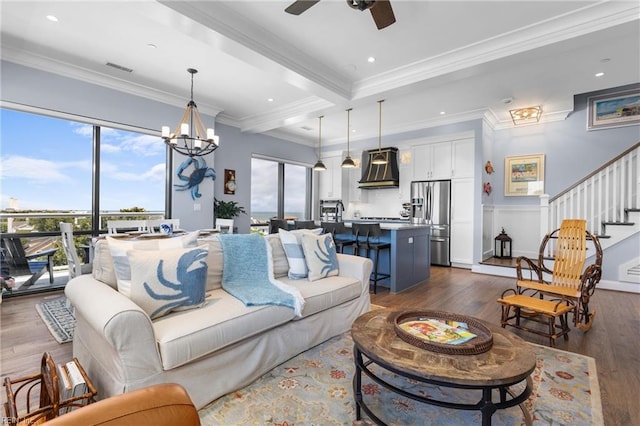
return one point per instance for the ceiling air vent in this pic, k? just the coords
(118, 67)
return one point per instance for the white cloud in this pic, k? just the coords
(33, 169)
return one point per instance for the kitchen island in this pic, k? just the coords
(408, 262)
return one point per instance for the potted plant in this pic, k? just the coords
(227, 209)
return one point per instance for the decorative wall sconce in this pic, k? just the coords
(526, 115)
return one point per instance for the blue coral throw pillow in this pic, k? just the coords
(168, 280)
(321, 256)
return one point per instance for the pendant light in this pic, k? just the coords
(319, 166)
(379, 158)
(348, 162)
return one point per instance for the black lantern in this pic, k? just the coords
(502, 248)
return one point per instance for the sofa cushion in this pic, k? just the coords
(280, 262)
(102, 266)
(214, 262)
(166, 280)
(224, 320)
(325, 293)
(292, 244)
(119, 249)
(321, 256)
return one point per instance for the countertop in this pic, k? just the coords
(389, 225)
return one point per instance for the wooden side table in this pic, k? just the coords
(509, 361)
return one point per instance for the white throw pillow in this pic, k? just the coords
(321, 256)
(168, 280)
(292, 245)
(119, 248)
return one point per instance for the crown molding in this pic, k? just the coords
(65, 69)
(285, 115)
(583, 21)
(265, 49)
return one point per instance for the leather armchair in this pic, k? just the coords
(166, 404)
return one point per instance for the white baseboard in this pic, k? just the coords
(511, 272)
(493, 270)
(618, 286)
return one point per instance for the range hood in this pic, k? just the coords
(377, 176)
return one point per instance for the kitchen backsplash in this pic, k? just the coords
(380, 203)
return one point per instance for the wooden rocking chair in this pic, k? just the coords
(540, 285)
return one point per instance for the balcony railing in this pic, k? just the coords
(39, 231)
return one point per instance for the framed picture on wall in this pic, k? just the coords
(613, 110)
(524, 175)
(229, 181)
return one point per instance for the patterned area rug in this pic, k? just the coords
(58, 317)
(315, 388)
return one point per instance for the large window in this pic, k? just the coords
(132, 171)
(45, 163)
(47, 176)
(279, 189)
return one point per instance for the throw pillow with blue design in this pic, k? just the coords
(321, 256)
(168, 280)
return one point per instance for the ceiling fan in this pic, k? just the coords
(381, 10)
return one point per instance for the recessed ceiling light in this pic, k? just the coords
(371, 59)
(600, 74)
(442, 113)
(270, 100)
(52, 18)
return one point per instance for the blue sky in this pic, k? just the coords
(45, 163)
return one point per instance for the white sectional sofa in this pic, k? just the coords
(217, 348)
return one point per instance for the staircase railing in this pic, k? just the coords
(603, 196)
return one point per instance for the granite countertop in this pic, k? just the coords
(387, 224)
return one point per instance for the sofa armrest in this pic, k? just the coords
(106, 318)
(356, 267)
(166, 404)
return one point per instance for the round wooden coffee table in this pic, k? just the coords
(509, 361)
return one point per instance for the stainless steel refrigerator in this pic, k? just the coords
(431, 204)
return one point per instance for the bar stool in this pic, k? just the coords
(275, 224)
(304, 224)
(339, 232)
(367, 236)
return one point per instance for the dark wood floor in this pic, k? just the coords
(613, 340)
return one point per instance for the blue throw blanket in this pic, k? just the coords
(248, 273)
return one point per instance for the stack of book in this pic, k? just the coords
(71, 382)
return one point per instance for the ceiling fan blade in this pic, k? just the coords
(382, 14)
(297, 7)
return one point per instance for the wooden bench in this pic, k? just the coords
(532, 308)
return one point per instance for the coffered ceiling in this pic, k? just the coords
(263, 70)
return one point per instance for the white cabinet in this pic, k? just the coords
(356, 195)
(462, 201)
(444, 160)
(432, 161)
(330, 180)
(462, 158)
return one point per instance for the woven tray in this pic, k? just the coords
(477, 345)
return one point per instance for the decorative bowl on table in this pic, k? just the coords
(443, 332)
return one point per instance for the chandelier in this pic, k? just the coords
(190, 137)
